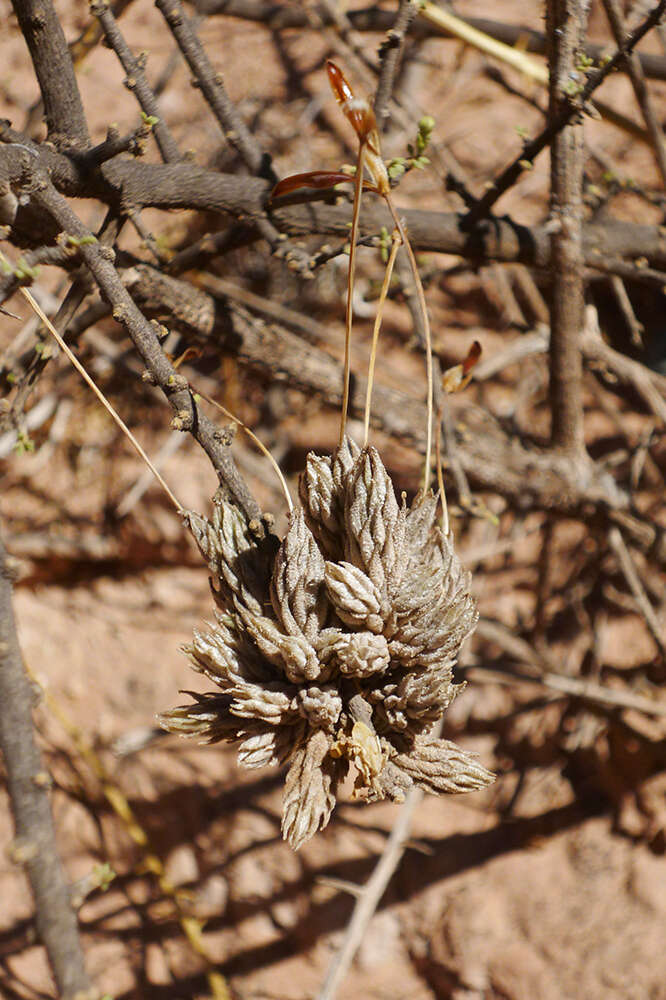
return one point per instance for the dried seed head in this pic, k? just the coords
(337, 645)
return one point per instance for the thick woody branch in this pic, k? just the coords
(65, 120)
(126, 185)
(34, 845)
(567, 21)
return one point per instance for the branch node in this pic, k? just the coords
(182, 421)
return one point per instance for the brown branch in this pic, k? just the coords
(626, 563)
(65, 120)
(637, 77)
(128, 184)
(280, 16)
(212, 87)
(187, 413)
(566, 21)
(651, 386)
(570, 109)
(136, 79)
(390, 52)
(29, 782)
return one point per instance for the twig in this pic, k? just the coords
(212, 87)
(390, 52)
(544, 675)
(637, 77)
(105, 403)
(29, 782)
(650, 385)
(566, 21)
(113, 145)
(370, 896)
(619, 290)
(619, 547)
(65, 118)
(188, 415)
(136, 79)
(569, 111)
(517, 59)
(279, 16)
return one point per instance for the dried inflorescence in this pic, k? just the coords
(336, 645)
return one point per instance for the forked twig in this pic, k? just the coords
(370, 896)
(136, 79)
(619, 547)
(569, 111)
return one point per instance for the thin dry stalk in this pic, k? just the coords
(369, 896)
(100, 395)
(637, 77)
(351, 272)
(388, 274)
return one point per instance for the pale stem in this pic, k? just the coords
(395, 246)
(358, 191)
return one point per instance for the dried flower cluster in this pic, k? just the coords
(337, 644)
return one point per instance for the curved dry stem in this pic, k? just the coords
(260, 445)
(34, 305)
(358, 192)
(440, 474)
(397, 240)
(428, 338)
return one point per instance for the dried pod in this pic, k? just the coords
(336, 646)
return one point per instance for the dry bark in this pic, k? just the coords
(29, 783)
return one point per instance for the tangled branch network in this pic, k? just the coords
(336, 645)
